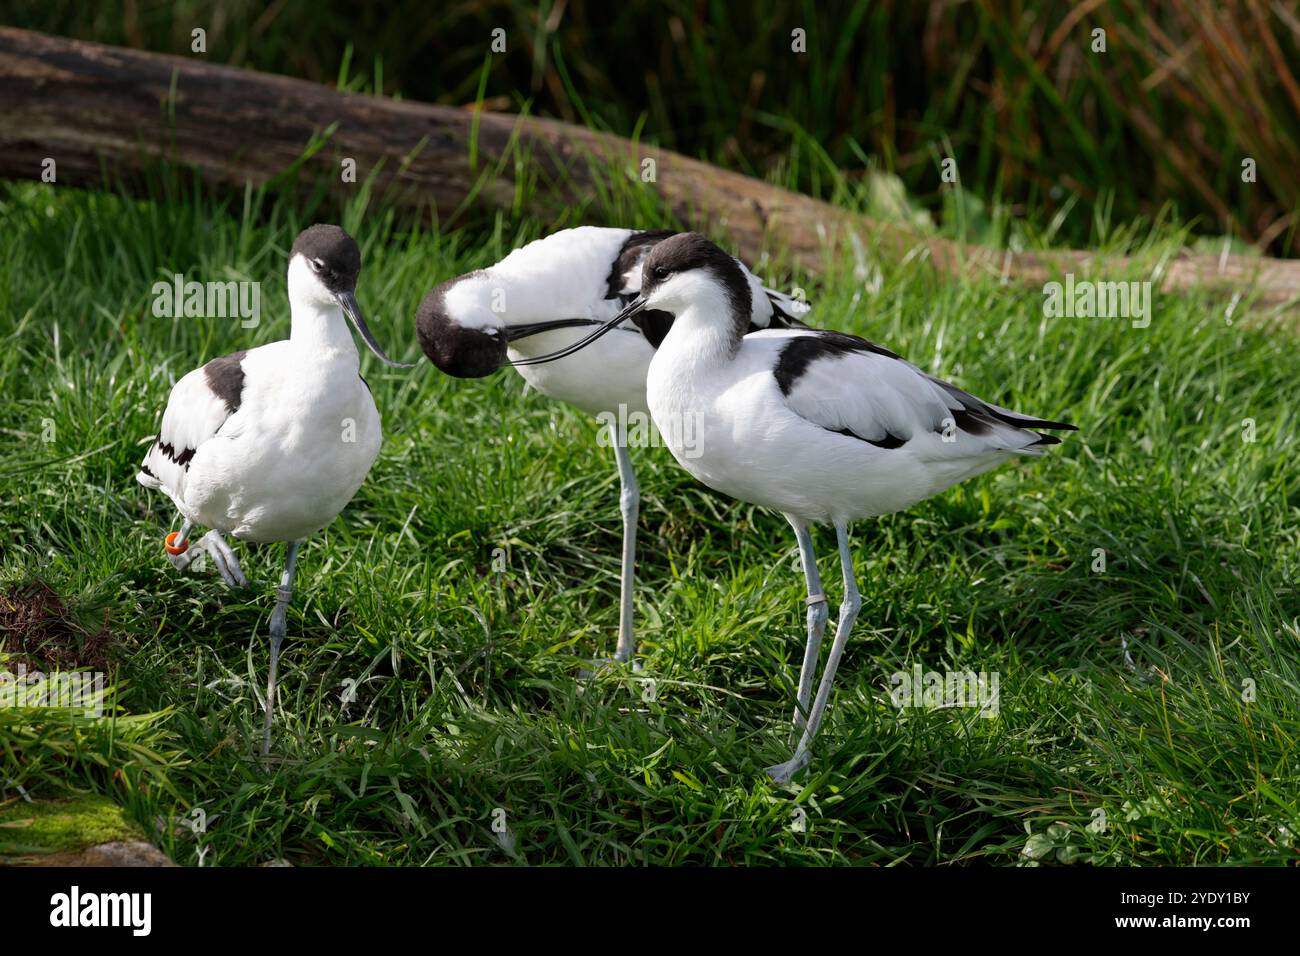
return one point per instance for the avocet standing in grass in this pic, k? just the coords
(272, 443)
(539, 299)
(821, 426)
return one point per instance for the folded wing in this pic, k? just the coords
(848, 385)
(200, 403)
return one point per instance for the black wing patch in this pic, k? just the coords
(225, 376)
(182, 458)
(801, 352)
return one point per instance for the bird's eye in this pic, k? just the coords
(316, 264)
(659, 272)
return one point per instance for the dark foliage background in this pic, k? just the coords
(1185, 90)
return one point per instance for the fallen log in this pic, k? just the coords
(108, 115)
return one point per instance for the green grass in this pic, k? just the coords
(467, 698)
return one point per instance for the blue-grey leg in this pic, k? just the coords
(817, 614)
(629, 502)
(782, 773)
(630, 505)
(283, 594)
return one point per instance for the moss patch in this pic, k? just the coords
(48, 826)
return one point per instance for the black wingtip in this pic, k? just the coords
(1019, 421)
(1060, 426)
(1045, 440)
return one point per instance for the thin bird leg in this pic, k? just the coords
(182, 560)
(782, 773)
(283, 595)
(630, 504)
(817, 614)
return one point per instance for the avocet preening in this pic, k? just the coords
(539, 299)
(270, 444)
(821, 426)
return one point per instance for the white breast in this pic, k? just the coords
(292, 456)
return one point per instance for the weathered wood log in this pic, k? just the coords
(106, 114)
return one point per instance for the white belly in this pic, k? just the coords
(289, 460)
(606, 374)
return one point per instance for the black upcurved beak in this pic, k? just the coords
(633, 307)
(348, 301)
(515, 332)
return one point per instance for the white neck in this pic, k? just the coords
(319, 330)
(696, 344)
(322, 332)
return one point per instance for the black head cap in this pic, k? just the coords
(454, 349)
(332, 254)
(690, 250)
